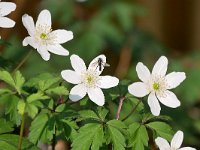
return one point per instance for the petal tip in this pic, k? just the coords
(24, 16)
(62, 72)
(45, 11)
(163, 57)
(24, 42)
(100, 104)
(71, 34)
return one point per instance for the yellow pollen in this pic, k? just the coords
(43, 36)
(89, 79)
(156, 86)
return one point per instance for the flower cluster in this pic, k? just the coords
(88, 80)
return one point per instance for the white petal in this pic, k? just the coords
(143, 72)
(107, 82)
(77, 63)
(29, 40)
(177, 140)
(77, 92)
(44, 18)
(187, 148)
(169, 99)
(62, 36)
(71, 76)
(162, 143)
(138, 89)
(28, 24)
(95, 66)
(160, 68)
(154, 104)
(174, 79)
(96, 95)
(58, 49)
(6, 22)
(7, 7)
(44, 53)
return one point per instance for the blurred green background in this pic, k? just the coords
(126, 31)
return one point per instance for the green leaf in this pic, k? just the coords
(138, 136)
(117, 124)
(67, 128)
(134, 101)
(5, 126)
(115, 134)
(43, 81)
(11, 103)
(39, 129)
(123, 87)
(16, 83)
(19, 81)
(50, 104)
(60, 90)
(90, 135)
(6, 77)
(60, 108)
(148, 117)
(102, 113)
(162, 129)
(36, 96)
(32, 110)
(84, 101)
(5, 91)
(21, 107)
(88, 114)
(45, 84)
(5, 146)
(98, 139)
(10, 142)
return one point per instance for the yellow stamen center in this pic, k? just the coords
(89, 79)
(156, 86)
(43, 36)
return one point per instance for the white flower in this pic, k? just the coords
(5, 9)
(175, 143)
(88, 80)
(157, 85)
(43, 38)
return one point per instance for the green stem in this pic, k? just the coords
(132, 111)
(21, 132)
(22, 61)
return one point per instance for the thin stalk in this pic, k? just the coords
(119, 107)
(22, 61)
(21, 132)
(54, 140)
(110, 146)
(132, 111)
